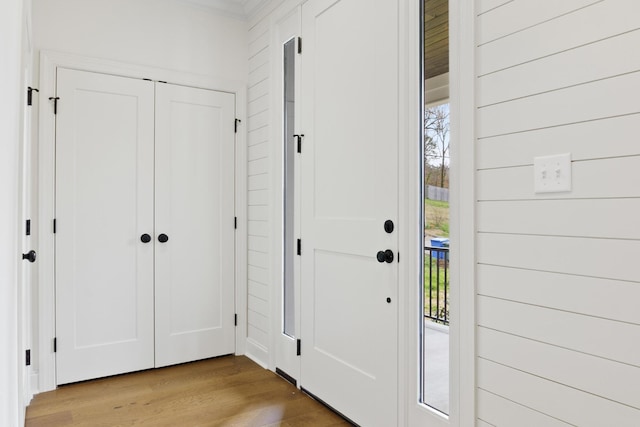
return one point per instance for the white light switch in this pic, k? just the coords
(552, 174)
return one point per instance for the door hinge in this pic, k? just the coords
(235, 222)
(55, 344)
(28, 227)
(299, 251)
(55, 226)
(299, 141)
(235, 126)
(55, 103)
(27, 357)
(30, 91)
(235, 319)
(298, 347)
(299, 44)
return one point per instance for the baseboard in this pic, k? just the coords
(257, 352)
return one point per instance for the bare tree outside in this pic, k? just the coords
(436, 141)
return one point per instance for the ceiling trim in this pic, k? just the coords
(241, 9)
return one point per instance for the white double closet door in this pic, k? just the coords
(144, 241)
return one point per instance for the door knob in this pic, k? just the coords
(385, 256)
(163, 238)
(145, 238)
(30, 256)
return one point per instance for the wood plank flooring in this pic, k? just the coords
(226, 391)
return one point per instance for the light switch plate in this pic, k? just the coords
(552, 174)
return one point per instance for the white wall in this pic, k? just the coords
(558, 283)
(11, 31)
(260, 193)
(167, 34)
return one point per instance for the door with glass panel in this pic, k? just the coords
(288, 297)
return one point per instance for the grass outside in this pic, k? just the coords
(436, 218)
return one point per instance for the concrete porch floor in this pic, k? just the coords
(436, 366)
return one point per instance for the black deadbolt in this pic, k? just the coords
(30, 256)
(388, 226)
(163, 238)
(145, 238)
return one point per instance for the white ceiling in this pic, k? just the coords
(238, 8)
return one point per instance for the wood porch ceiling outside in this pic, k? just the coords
(436, 38)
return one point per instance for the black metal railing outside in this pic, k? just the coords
(436, 284)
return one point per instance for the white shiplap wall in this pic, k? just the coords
(558, 280)
(258, 196)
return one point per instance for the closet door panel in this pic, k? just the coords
(194, 199)
(104, 203)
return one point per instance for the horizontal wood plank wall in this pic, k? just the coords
(558, 281)
(258, 193)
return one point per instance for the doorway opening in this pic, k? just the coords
(435, 316)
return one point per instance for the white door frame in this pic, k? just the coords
(462, 300)
(49, 62)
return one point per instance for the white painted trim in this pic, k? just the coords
(257, 353)
(411, 229)
(49, 62)
(463, 260)
(241, 214)
(460, 83)
(409, 224)
(232, 9)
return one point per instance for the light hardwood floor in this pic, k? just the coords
(227, 391)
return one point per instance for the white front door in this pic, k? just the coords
(194, 200)
(104, 203)
(349, 189)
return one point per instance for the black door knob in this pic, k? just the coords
(163, 238)
(30, 256)
(385, 256)
(145, 238)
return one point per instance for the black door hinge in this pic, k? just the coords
(299, 44)
(298, 138)
(55, 103)
(235, 319)
(299, 247)
(30, 91)
(28, 227)
(55, 226)
(235, 126)
(27, 357)
(235, 222)
(298, 347)
(55, 344)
